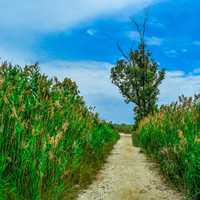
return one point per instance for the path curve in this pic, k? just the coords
(129, 175)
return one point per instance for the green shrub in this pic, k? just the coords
(48, 136)
(173, 137)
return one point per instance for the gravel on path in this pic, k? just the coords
(129, 175)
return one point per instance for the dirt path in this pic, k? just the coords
(128, 175)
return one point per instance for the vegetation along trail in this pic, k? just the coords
(128, 175)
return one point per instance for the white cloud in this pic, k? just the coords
(22, 21)
(93, 79)
(196, 71)
(156, 23)
(91, 32)
(154, 41)
(18, 47)
(178, 83)
(197, 43)
(174, 53)
(171, 53)
(151, 41)
(14, 55)
(133, 35)
(184, 50)
(49, 15)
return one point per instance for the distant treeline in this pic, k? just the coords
(123, 128)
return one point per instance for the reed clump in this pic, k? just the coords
(172, 136)
(50, 141)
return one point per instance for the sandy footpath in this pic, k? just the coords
(129, 175)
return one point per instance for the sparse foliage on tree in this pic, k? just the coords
(138, 76)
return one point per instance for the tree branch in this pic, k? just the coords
(122, 51)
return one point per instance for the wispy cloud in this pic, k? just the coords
(154, 41)
(197, 43)
(91, 32)
(45, 15)
(22, 21)
(184, 50)
(156, 23)
(133, 35)
(171, 53)
(151, 41)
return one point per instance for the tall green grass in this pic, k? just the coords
(172, 136)
(49, 140)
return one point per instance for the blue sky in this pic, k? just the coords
(78, 39)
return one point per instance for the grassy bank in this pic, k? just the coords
(172, 136)
(50, 141)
